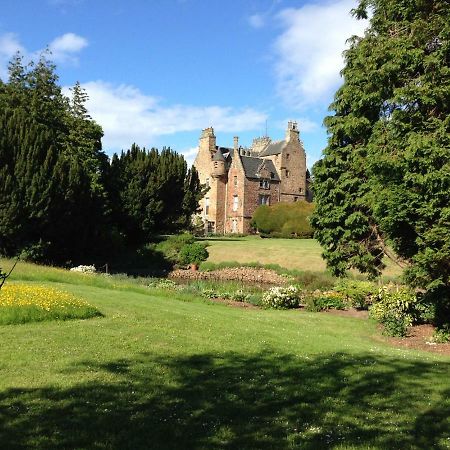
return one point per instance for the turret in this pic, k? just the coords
(218, 161)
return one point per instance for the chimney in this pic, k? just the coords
(235, 143)
(208, 140)
(292, 132)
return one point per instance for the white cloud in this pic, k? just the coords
(189, 154)
(309, 51)
(127, 115)
(9, 45)
(64, 48)
(256, 20)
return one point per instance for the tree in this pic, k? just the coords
(151, 192)
(52, 199)
(384, 179)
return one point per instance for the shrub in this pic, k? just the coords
(323, 300)
(84, 269)
(442, 334)
(21, 303)
(281, 297)
(240, 296)
(358, 294)
(284, 220)
(193, 253)
(397, 308)
(171, 246)
(162, 283)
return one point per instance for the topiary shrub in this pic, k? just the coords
(193, 253)
(281, 297)
(284, 220)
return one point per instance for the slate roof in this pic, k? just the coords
(225, 150)
(252, 165)
(274, 148)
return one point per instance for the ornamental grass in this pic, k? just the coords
(22, 303)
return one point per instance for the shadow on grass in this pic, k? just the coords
(237, 401)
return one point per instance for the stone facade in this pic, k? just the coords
(240, 179)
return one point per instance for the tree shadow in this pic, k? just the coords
(236, 401)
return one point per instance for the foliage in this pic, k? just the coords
(322, 300)
(284, 220)
(172, 245)
(152, 192)
(193, 253)
(385, 175)
(84, 269)
(163, 283)
(281, 297)
(21, 303)
(61, 200)
(397, 308)
(442, 334)
(357, 294)
(51, 206)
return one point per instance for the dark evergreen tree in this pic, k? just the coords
(52, 202)
(384, 179)
(152, 192)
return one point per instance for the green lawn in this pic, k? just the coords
(300, 254)
(169, 371)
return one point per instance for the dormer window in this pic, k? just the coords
(264, 184)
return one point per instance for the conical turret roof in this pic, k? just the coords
(218, 156)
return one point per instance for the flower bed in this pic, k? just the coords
(21, 303)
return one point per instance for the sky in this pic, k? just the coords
(157, 72)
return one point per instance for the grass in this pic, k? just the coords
(299, 254)
(168, 370)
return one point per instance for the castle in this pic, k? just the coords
(240, 179)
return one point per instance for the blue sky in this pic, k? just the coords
(158, 71)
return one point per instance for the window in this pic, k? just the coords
(235, 203)
(272, 175)
(206, 206)
(207, 182)
(235, 181)
(210, 228)
(300, 190)
(295, 199)
(234, 226)
(264, 184)
(264, 199)
(287, 173)
(287, 156)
